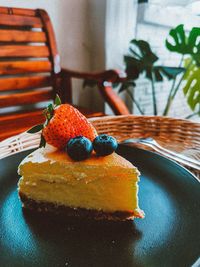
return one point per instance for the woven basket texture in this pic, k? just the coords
(179, 135)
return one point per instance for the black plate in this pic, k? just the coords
(168, 236)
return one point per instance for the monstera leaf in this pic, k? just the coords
(125, 85)
(142, 59)
(184, 44)
(192, 86)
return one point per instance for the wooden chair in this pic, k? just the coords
(30, 71)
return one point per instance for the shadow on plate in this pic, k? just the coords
(85, 242)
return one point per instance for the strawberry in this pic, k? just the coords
(64, 122)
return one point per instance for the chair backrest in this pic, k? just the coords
(29, 60)
(30, 73)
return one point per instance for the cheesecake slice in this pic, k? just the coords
(97, 188)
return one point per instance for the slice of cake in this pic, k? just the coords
(98, 187)
(78, 172)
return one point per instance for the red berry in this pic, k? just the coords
(67, 122)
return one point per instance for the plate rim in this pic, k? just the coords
(165, 158)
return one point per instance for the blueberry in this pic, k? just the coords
(79, 148)
(104, 144)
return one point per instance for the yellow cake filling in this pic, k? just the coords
(101, 183)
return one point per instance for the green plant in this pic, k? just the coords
(141, 59)
(186, 76)
(189, 47)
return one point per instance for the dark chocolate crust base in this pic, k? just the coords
(64, 211)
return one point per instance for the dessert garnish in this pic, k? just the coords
(66, 128)
(104, 144)
(63, 122)
(79, 148)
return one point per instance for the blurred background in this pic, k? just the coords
(94, 35)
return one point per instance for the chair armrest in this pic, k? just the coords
(104, 81)
(107, 75)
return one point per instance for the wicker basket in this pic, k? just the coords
(179, 135)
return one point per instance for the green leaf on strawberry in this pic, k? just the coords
(57, 101)
(35, 128)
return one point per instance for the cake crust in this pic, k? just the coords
(43, 207)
